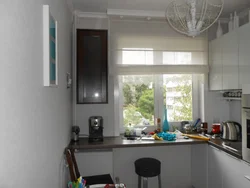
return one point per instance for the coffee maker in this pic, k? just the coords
(96, 129)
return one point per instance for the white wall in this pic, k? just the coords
(235, 111)
(35, 120)
(84, 111)
(216, 109)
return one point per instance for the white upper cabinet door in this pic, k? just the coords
(215, 63)
(230, 60)
(244, 55)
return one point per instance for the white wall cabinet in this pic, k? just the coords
(229, 60)
(244, 55)
(215, 62)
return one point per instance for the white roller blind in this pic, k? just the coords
(143, 47)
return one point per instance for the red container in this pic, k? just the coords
(216, 128)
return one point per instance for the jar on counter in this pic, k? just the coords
(158, 125)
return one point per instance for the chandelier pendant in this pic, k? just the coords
(192, 17)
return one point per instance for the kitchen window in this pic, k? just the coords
(153, 68)
(144, 97)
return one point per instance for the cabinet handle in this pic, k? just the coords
(247, 177)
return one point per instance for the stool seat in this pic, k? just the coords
(148, 167)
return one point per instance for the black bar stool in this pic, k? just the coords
(147, 168)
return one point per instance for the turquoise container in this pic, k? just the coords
(165, 126)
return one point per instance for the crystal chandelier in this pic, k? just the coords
(192, 17)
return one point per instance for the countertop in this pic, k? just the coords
(118, 142)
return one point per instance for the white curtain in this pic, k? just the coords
(142, 48)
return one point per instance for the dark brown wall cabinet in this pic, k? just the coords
(92, 66)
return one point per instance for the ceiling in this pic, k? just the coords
(146, 5)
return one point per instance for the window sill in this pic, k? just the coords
(151, 128)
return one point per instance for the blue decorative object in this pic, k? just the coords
(50, 65)
(53, 49)
(167, 136)
(165, 122)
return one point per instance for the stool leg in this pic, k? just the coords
(139, 181)
(159, 181)
(145, 182)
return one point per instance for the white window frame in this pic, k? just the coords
(159, 101)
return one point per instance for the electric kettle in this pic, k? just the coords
(231, 131)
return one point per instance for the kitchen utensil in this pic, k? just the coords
(138, 131)
(216, 128)
(158, 124)
(187, 128)
(197, 122)
(204, 128)
(183, 123)
(196, 137)
(96, 129)
(231, 130)
(75, 130)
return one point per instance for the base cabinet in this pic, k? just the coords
(231, 169)
(235, 172)
(187, 166)
(214, 167)
(199, 165)
(95, 163)
(226, 171)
